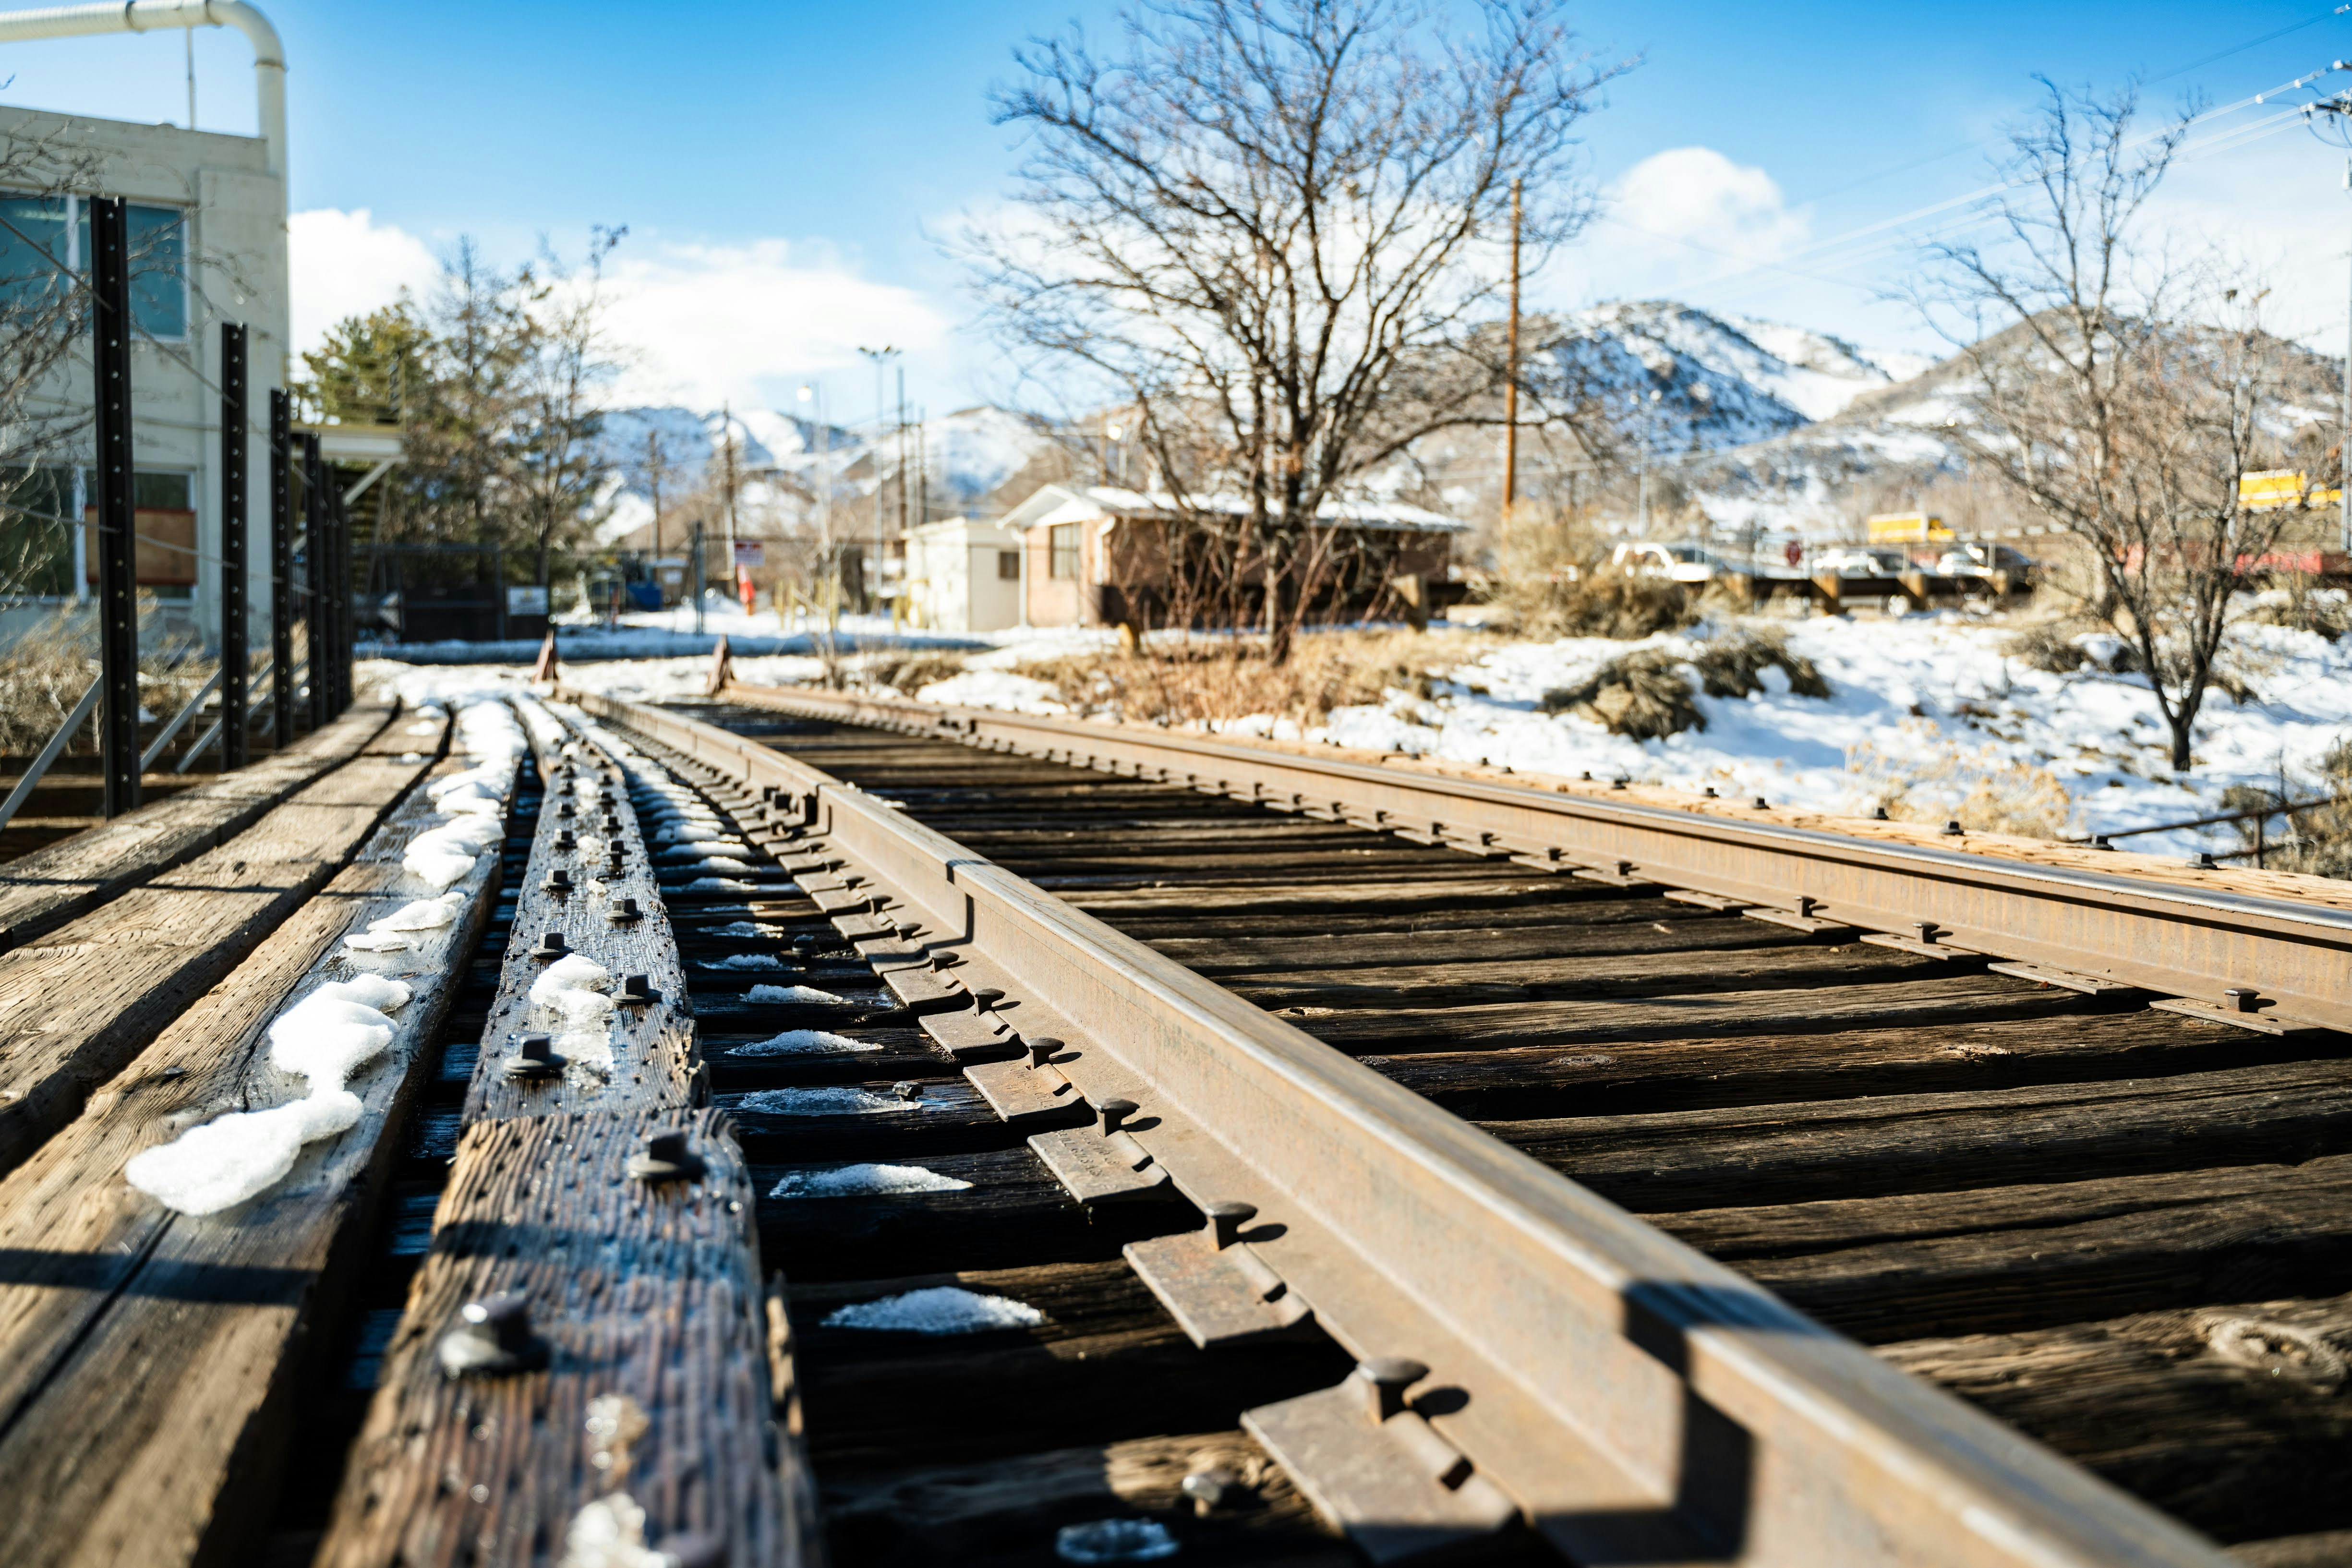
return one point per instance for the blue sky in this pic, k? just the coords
(785, 169)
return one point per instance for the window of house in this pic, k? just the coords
(1008, 565)
(1063, 548)
(42, 233)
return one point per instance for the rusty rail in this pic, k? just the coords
(2279, 963)
(1634, 1401)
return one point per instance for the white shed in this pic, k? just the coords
(963, 576)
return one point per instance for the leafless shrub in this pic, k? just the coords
(908, 673)
(2317, 842)
(1733, 664)
(1646, 694)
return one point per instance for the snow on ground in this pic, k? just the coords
(1912, 691)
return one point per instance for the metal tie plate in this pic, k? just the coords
(2089, 984)
(1218, 1291)
(969, 1036)
(926, 990)
(1376, 1470)
(1101, 1164)
(1029, 1095)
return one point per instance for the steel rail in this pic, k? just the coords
(2289, 963)
(1638, 1402)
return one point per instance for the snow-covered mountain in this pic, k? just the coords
(968, 457)
(1673, 378)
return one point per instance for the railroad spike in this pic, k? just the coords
(1384, 1381)
(535, 1056)
(666, 1157)
(1225, 1221)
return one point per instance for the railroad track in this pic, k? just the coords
(1669, 1177)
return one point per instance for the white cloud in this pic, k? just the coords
(346, 264)
(708, 322)
(697, 324)
(1696, 193)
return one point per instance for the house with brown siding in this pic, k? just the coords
(1101, 555)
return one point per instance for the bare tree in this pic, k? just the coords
(44, 308)
(1270, 230)
(566, 365)
(2118, 393)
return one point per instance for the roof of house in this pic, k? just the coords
(1076, 503)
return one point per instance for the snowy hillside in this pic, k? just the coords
(969, 455)
(1674, 378)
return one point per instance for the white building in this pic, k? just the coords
(963, 576)
(208, 223)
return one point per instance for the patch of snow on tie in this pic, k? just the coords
(572, 988)
(719, 885)
(610, 1532)
(325, 1037)
(863, 1181)
(792, 993)
(391, 933)
(803, 1042)
(826, 1102)
(747, 960)
(939, 1309)
(748, 928)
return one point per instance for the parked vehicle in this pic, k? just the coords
(1856, 562)
(1682, 563)
(1984, 560)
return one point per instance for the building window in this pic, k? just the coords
(46, 233)
(1008, 565)
(1062, 545)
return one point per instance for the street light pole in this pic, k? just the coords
(881, 358)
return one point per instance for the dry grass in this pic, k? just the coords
(44, 674)
(1553, 582)
(906, 673)
(1926, 779)
(1214, 682)
(2317, 842)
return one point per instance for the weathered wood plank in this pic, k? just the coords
(1741, 1156)
(78, 1005)
(1792, 966)
(1930, 996)
(1009, 1510)
(148, 1359)
(648, 1301)
(2233, 1419)
(1107, 1364)
(1643, 1077)
(1576, 930)
(2006, 1259)
(655, 1061)
(41, 891)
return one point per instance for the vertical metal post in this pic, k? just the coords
(314, 529)
(281, 571)
(236, 663)
(698, 578)
(118, 606)
(346, 631)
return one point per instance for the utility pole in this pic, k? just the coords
(2330, 119)
(654, 468)
(727, 457)
(881, 358)
(1511, 377)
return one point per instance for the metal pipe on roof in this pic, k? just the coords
(146, 15)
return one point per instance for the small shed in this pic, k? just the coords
(1101, 555)
(963, 575)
